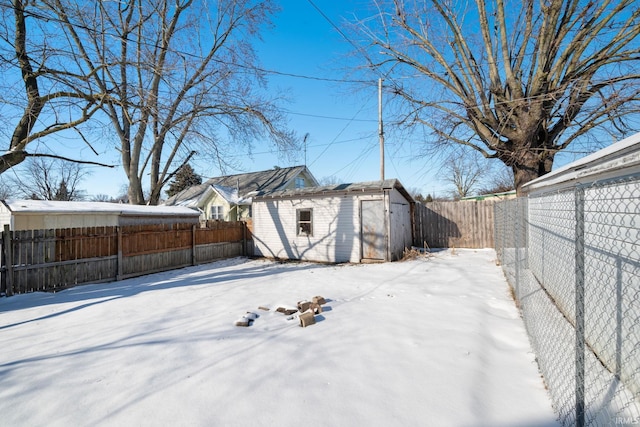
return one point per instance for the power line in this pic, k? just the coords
(152, 44)
(344, 36)
(355, 165)
(306, 77)
(330, 117)
(339, 133)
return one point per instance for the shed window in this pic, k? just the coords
(305, 222)
(300, 182)
(217, 212)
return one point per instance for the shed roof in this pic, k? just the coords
(244, 184)
(59, 207)
(358, 187)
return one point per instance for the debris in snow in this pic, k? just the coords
(303, 306)
(251, 316)
(315, 308)
(286, 311)
(244, 322)
(247, 319)
(319, 300)
(306, 312)
(307, 318)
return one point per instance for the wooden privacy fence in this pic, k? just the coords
(49, 260)
(464, 224)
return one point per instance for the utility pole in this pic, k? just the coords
(380, 129)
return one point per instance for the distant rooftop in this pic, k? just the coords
(240, 186)
(53, 207)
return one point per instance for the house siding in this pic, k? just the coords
(336, 235)
(336, 228)
(216, 200)
(5, 215)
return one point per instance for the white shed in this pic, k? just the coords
(362, 222)
(44, 214)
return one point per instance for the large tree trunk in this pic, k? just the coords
(530, 166)
(519, 81)
(134, 192)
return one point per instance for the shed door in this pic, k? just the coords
(373, 229)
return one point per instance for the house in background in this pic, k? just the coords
(362, 222)
(46, 214)
(229, 198)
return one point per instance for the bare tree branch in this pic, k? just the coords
(518, 81)
(50, 92)
(172, 67)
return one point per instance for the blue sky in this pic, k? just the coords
(310, 60)
(341, 118)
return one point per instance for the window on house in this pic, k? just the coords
(299, 182)
(305, 222)
(217, 212)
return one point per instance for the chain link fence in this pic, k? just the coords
(572, 258)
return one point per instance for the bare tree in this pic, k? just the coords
(53, 98)
(47, 179)
(102, 198)
(329, 180)
(515, 80)
(499, 181)
(181, 75)
(5, 189)
(464, 172)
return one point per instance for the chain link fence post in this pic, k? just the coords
(580, 314)
(572, 259)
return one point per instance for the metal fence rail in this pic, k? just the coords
(573, 261)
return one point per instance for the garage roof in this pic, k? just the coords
(59, 207)
(358, 187)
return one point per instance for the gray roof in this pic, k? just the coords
(359, 187)
(248, 184)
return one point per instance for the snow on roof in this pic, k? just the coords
(231, 195)
(387, 184)
(228, 193)
(619, 156)
(58, 207)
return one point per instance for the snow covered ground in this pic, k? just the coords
(428, 342)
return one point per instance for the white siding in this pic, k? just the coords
(45, 221)
(5, 216)
(336, 228)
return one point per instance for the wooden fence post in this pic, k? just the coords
(119, 262)
(244, 238)
(8, 257)
(193, 244)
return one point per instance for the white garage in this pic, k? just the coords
(361, 222)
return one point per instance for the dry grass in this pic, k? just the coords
(414, 253)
